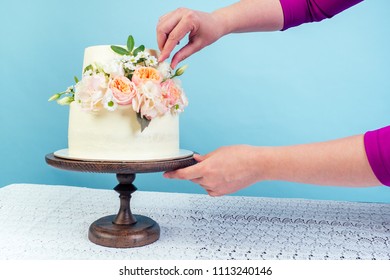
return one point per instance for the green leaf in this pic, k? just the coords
(144, 122)
(76, 79)
(139, 49)
(130, 44)
(141, 60)
(120, 50)
(89, 67)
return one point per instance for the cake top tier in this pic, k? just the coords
(101, 54)
(104, 54)
(126, 75)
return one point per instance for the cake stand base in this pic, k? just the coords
(123, 230)
(104, 232)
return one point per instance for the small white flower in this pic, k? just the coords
(125, 58)
(132, 59)
(165, 69)
(129, 65)
(141, 54)
(109, 102)
(151, 61)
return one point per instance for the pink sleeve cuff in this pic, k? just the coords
(297, 12)
(377, 145)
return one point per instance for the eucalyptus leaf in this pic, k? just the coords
(120, 50)
(130, 44)
(144, 122)
(76, 79)
(139, 49)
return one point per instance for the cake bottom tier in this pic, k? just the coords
(117, 135)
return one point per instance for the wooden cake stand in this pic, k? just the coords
(123, 230)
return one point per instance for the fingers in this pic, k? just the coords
(186, 51)
(199, 158)
(165, 26)
(197, 180)
(181, 29)
(172, 28)
(188, 173)
(196, 175)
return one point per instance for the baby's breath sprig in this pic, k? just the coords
(94, 69)
(130, 51)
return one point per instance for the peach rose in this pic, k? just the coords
(143, 74)
(123, 90)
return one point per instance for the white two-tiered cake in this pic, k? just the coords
(125, 108)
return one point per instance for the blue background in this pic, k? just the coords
(318, 82)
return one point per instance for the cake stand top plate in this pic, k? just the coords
(121, 167)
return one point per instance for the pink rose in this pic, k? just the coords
(123, 90)
(171, 92)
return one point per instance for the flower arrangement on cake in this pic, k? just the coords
(134, 78)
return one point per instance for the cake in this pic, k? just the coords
(126, 106)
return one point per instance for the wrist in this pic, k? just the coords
(265, 163)
(222, 22)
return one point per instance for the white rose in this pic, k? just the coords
(90, 91)
(150, 102)
(114, 68)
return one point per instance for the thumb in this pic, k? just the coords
(199, 158)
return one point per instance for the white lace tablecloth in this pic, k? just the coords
(51, 222)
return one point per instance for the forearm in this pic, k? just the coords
(250, 16)
(341, 162)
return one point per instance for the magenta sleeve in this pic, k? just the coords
(377, 145)
(297, 12)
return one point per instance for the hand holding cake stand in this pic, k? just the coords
(124, 230)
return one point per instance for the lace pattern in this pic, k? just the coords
(51, 222)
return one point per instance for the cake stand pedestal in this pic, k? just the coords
(124, 230)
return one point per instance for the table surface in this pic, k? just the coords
(51, 222)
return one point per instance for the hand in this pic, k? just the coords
(224, 171)
(203, 29)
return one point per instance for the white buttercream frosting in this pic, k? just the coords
(116, 135)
